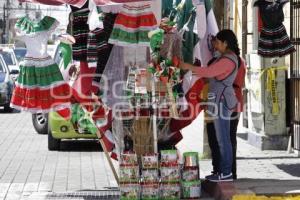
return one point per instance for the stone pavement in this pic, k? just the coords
(28, 168)
(260, 172)
(80, 171)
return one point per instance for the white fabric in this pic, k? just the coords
(114, 8)
(93, 20)
(37, 63)
(201, 50)
(36, 43)
(156, 8)
(200, 24)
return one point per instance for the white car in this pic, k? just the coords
(11, 61)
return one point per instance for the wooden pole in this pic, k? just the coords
(99, 135)
(89, 116)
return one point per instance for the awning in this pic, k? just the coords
(80, 3)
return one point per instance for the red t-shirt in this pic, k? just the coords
(238, 85)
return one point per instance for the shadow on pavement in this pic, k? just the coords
(268, 157)
(14, 111)
(268, 187)
(80, 145)
(292, 169)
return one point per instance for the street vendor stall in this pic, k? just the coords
(124, 85)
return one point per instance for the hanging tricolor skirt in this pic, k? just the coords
(274, 42)
(133, 24)
(40, 87)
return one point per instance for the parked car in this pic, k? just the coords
(6, 86)
(20, 53)
(11, 61)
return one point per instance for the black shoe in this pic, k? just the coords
(220, 178)
(213, 173)
(234, 176)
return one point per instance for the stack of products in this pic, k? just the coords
(191, 185)
(129, 176)
(150, 177)
(170, 175)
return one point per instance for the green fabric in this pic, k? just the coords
(134, 38)
(79, 117)
(26, 25)
(190, 39)
(184, 14)
(66, 52)
(166, 8)
(40, 76)
(208, 6)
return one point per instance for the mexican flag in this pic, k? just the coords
(206, 27)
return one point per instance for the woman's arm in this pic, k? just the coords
(222, 67)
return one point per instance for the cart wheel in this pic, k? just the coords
(53, 144)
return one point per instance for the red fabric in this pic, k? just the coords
(77, 3)
(41, 99)
(107, 2)
(238, 85)
(259, 22)
(65, 113)
(187, 116)
(136, 22)
(83, 85)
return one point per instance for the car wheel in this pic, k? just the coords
(53, 144)
(7, 108)
(40, 123)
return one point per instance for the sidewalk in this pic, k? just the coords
(259, 172)
(80, 171)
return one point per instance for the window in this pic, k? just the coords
(2, 69)
(8, 58)
(20, 54)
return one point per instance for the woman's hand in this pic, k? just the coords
(184, 66)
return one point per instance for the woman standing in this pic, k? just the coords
(221, 96)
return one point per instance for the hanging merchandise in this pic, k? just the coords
(76, 3)
(98, 49)
(190, 38)
(133, 24)
(206, 28)
(273, 40)
(40, 86)
(65, 50)
(112, 2)
(80, 30)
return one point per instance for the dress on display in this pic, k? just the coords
(80, 30)
(273, 40)
(133, 24)
(40, 86)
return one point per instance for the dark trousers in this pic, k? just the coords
(213, 143)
